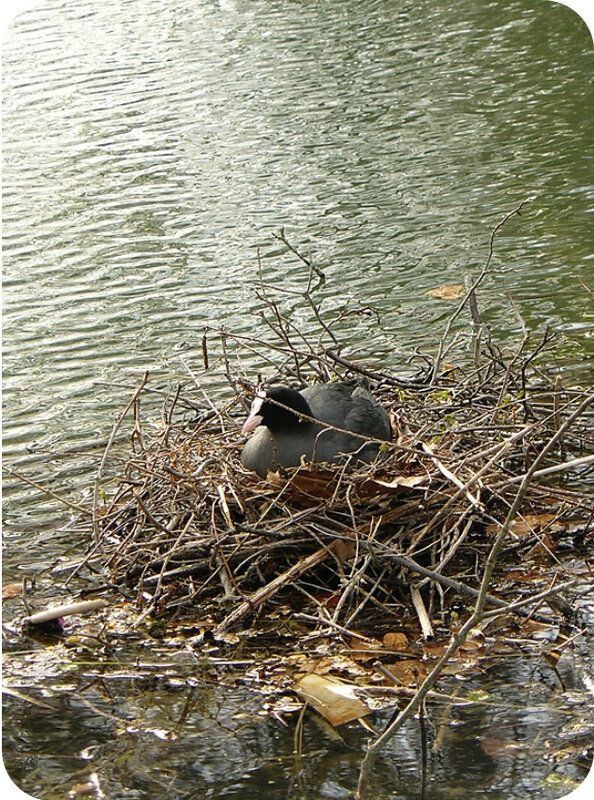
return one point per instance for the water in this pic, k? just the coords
(151, 149)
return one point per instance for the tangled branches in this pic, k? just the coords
(188, 527)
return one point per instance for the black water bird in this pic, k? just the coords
(291, 425)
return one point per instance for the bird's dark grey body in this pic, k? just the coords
(284, 444)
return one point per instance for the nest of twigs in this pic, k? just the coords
(477, 455)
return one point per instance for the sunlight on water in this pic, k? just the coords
(152, 148)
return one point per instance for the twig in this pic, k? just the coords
(417, 601)
(111, 439)
(566, 465)
(74, 506)
(477, 613)
(266, 592)
(472, 290)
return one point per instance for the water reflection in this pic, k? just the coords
(183, 737)
(146, 163)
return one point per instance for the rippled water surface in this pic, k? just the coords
(152, 148)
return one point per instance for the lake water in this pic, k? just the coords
(151, 150)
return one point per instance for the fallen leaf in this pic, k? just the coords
(446, 292)
(545, 546)
(11, 590)
(397, 484)
(499, 747)
(477, 696)
(528, 525)
(343, 549)
(408, 672)
(312, 484)
(306, 485)
(523, 576)
(336, 701)
(395, 640)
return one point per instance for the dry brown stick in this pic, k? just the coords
(447, 473)
(196, 382)
(283, 322)
(574, 462)
(152, 519)
(476, 324)
(376, 375)
(307, 261)
(324, 619)
(369, 597)
(266, 592)
(477, 614)
(471, 291)
(449, 583)
(350, 585)
(112, 436)
(453, 546)
(502, 448)
(49, 492)
(535, 598)
(520, 434)
(159, 587)
(558, 388)
(499, 449)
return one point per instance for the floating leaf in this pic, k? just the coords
(528, 524)
(446, 292)
(496, 748)
(477, 696)
(408, 672)
(12, 590)
(336, 701)
(439, 396)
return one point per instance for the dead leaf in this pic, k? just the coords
(523, 576)
(395, 640)
(306, 485)
(471, 646)
(336, 701)
(82, 790)
(528, 525)
(343, 549)
(313, 484)
(545, 546)
(397, 484)
(447, 292)
(363, 650)
(11, 590)
(495, 748)
(344, 664)
(408, 672)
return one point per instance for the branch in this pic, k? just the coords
(471, 292)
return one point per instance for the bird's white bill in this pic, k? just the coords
(255, 418)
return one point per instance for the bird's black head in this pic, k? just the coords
(279, 408)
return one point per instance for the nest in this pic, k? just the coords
(478, 450)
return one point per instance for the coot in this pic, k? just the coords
(284, 434)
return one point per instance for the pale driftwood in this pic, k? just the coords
(417, 601)
(65, 610)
